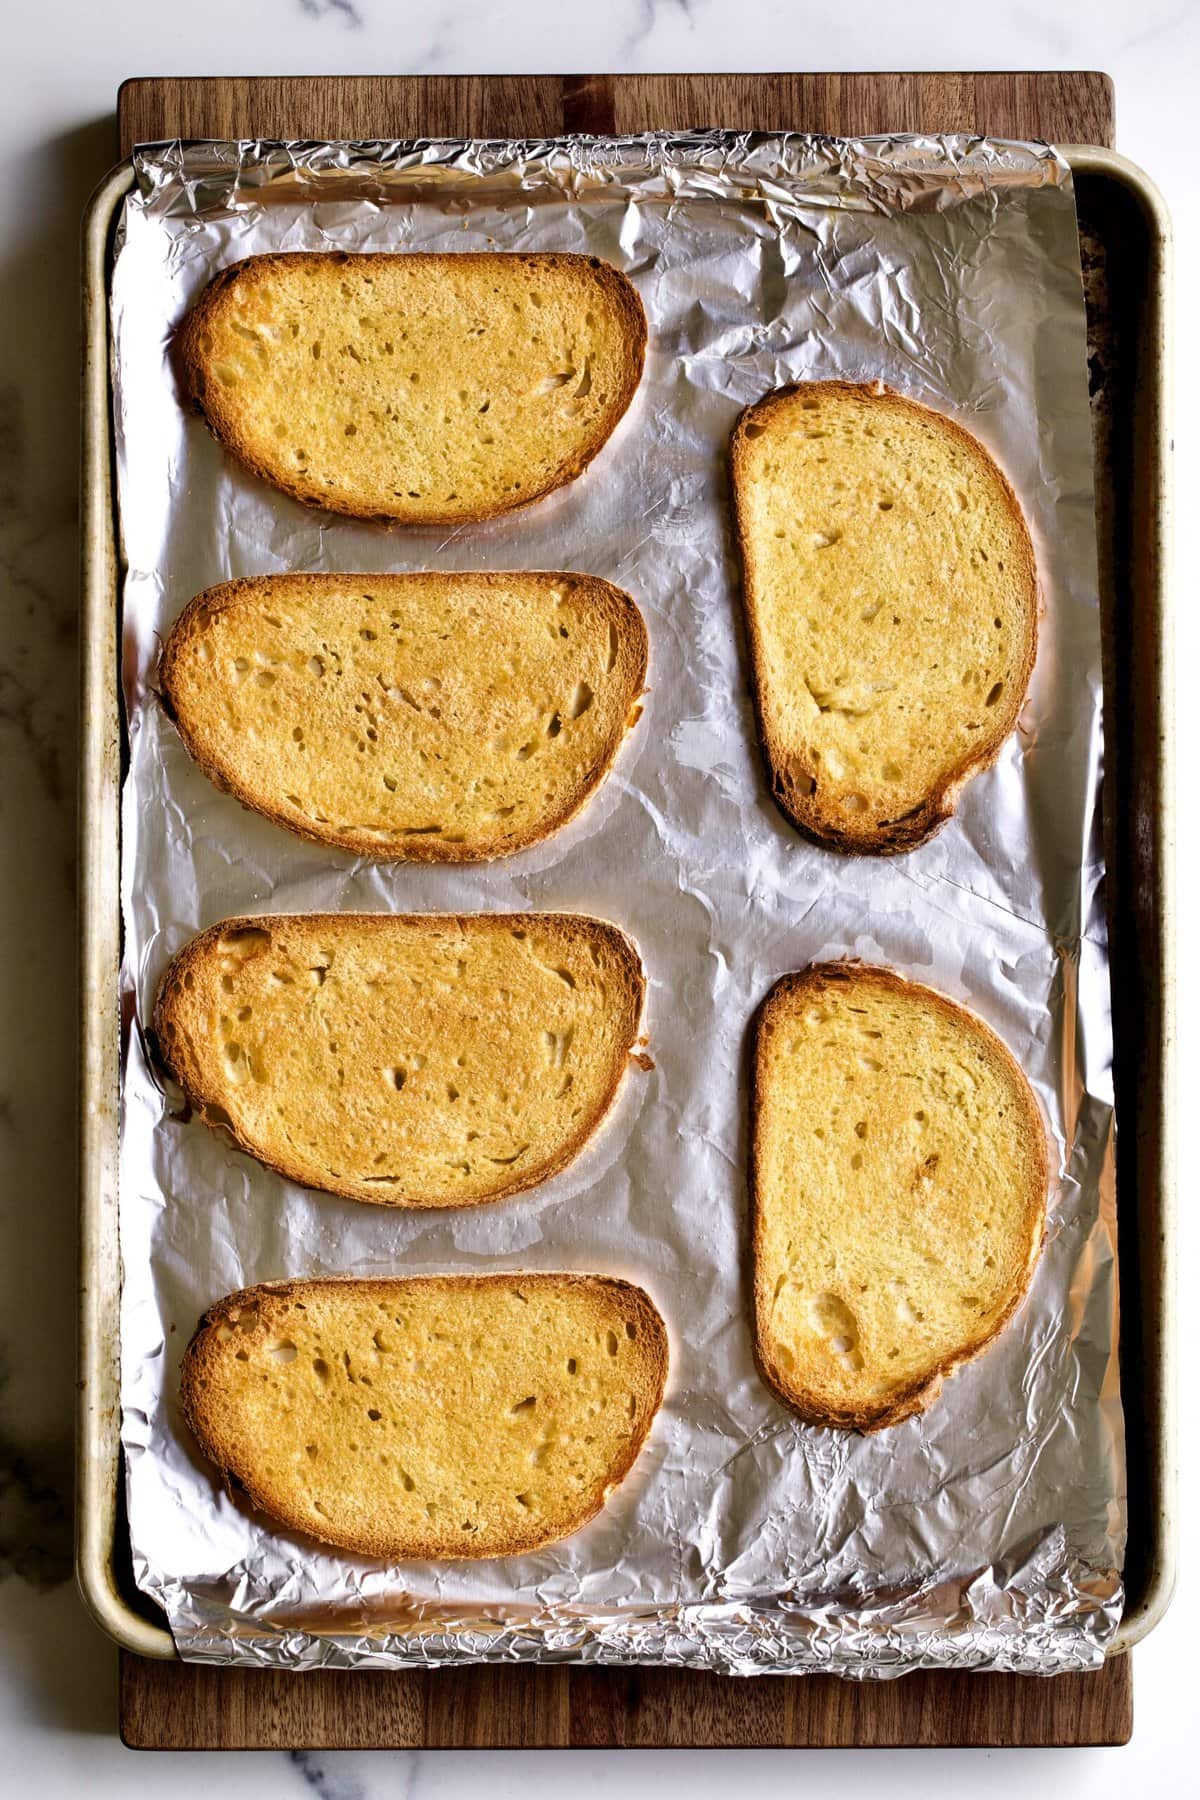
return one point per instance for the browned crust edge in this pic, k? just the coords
(199, 1356)
(927, 819)
(174, 1050)
(225, 430)
(917, 1395)
(633, 663)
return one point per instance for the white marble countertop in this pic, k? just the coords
(65, 61)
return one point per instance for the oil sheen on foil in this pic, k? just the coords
(988, 1533)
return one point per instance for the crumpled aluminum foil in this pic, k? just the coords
(988, 1533)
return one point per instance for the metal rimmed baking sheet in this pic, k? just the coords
(95, 1343)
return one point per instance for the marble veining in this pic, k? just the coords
(322, 1776)
(38, 738)
(35, 1505)
(40, 612)
(651, 13)
(345, 10)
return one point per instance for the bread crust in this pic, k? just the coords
(224, 425)
(208, 1095)
(810, 817)
(917, 1395)
(613, 604)
(271, 1300)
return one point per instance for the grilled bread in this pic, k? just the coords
(441, 1416)
(430, 390)
(430, 718)
(891, 602)
(408, 1061)
(899, 1178)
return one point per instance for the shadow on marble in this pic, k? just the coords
(39, 440)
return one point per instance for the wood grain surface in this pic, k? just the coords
(1067, 107)
(189, 1706)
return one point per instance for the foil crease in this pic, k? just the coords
(988, 1533)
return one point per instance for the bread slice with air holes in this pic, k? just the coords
(891, 599)
(406, 1060)
(439, 1416)
(899, 1179)
(424, 389)
(425, 718)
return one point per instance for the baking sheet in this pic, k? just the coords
(989, 1533)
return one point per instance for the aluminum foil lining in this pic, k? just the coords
(988, 1533)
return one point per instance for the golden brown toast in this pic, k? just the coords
(423, 718)
(891, 600)
(406, 1060)
(440, 1416)
(424, 389)
(899, 1178)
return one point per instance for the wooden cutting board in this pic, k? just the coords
(186, 1706)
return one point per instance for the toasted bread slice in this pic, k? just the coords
(899, 1177)
(407, 1061)
(891, 600)
(428, 718)
(430, 390)
(441, 1416)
